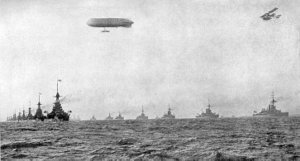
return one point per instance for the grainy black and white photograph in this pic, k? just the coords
(150, 80)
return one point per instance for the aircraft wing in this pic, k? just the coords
(264, 15)
(273, 10)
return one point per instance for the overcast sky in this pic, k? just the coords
(177, 52)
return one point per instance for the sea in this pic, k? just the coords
(175, 139)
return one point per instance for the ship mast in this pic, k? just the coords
(272, 103)
(57, 86)
(208, 104)
(169, 110)
(39, 103)
(273, 99)
(23, 116)
(57, 94)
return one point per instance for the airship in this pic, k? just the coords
(109, 22)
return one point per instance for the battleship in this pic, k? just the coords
(93, 118)
(109, 117)
(23, 115)
(13, 117)
(57, 112)
(208, 113)
(120, 117)
(29, 116)
(142, 116)
(168, 115)
(39, 113)
(20, 117)
(271, 111)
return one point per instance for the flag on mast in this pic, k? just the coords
(59, 80)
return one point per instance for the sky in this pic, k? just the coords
(177, 53)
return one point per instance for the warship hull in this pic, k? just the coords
(207, 117)
(283, 114)
(168, 117)
(142, 118)
(119, 118)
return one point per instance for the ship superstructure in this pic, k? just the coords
(23, 115)
(119, 117)
(19, 116)
(39, 113)
(168, 115)
(93, 118)
(29, 116)
(57, 112)
(142, 116)
(13, 117)
(208, 113)
(271, 110)
(109, 117)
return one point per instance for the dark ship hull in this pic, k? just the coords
(207, 116)
(58, 115)
(261, 114)
(142, 118)
(168, 117)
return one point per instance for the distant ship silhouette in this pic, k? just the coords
(142, 116)
(208, 113)
(271, 111)
(168, 115)
(120, 117)
(109, 117)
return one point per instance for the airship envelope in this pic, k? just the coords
(109, 22)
